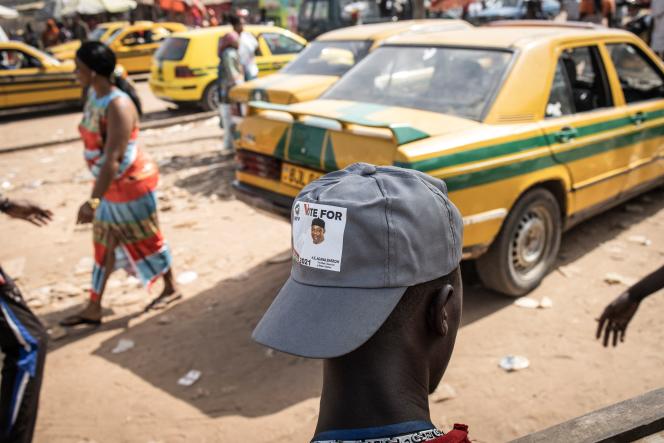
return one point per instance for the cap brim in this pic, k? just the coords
(324, 322)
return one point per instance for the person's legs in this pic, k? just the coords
(23, 340)
(92, 312)
(227, 122)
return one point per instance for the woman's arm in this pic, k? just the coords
(121, 118)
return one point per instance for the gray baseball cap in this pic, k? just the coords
(384, 229)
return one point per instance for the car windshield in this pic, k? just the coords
(456, 81)
(174, 48)
(97, 33)
(111, 38)
(509, 3)
(328, 57)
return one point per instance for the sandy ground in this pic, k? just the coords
(249, 394)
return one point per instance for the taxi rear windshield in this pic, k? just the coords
(174, 48)
(328, 57)
(455, 81)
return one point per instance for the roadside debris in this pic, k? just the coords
(546, 303)
(511, 363)
(640, 239)
(443, 392)
(123, 345)
(66, 289)
(613, 278)
(187, 277)
(568, 271)
(190, 378)
(530, 303)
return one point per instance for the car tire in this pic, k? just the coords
(526, 246)
(210, 100)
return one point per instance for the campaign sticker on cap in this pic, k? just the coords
(318, 235)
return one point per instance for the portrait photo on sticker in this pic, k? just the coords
(318, 235)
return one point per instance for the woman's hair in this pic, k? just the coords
(99, 58)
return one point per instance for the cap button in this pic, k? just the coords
(368, 170)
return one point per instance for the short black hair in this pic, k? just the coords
(318, 222)
(234, 20)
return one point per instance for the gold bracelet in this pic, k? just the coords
(94, 203)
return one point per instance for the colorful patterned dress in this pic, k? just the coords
(128, 210)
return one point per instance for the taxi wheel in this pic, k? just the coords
(210, 100)
(526, 246)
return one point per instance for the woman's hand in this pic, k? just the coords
(85, 214)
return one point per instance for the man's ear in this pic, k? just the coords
(437, 313)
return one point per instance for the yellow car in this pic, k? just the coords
(533, 127)
(135, 45)
(29, 77)
(103, 31)
(327, 58)
(185, 67)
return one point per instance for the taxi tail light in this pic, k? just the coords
(184, 72)
(258, 164)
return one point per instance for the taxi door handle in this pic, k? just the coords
(566, 134)
(639, 118)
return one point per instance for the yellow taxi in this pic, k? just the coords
(135, 45)
(29, 77)
(534, 127)
(185, 67)
(327, 58)
(103, 31)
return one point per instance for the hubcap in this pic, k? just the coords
(531, 243)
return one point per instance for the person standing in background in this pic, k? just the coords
(30, 36)
(79, 29)
(51, 35)
(600, 12)
(657, 39)
(230, 74)
(248, 45)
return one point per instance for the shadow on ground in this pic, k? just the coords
(592, 233)
(214, 173)
(211, 332)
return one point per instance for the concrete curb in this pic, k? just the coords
(156, 124)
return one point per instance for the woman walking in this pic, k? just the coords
(123, 207)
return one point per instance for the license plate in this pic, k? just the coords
(298, 177)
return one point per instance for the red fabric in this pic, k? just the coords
(145, 248)
(457, 435)
(141, 177)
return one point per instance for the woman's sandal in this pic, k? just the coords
(75, 320)
(163, 301)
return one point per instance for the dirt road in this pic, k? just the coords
(249, 394)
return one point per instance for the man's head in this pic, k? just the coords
(237, 22)
(230, 40)
(394, 229)
(318, 231)
(423, 325)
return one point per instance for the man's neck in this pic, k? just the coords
(371, 391)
